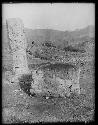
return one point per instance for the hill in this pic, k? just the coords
(78, 39)
(58, 37)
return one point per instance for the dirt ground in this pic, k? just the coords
(19, 107)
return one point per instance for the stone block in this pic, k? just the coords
(18, 45)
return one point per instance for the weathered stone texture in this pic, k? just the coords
(18, 45)
(64, 86)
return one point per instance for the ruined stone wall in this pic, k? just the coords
(18, 45)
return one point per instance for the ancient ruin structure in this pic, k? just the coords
(18, 45)
(64, 85)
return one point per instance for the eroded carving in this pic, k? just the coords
(18, 45)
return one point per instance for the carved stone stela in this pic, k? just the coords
(18, 45)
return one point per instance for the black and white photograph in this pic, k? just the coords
(48, 62)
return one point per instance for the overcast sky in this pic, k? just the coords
(53, 16)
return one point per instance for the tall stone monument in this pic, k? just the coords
(18, 45)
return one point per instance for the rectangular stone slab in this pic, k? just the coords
(18, 45)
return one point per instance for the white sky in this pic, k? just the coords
(60, 16)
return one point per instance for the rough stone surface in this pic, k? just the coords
(64, 86)
(18, 45)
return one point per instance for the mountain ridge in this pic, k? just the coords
(59, 38)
